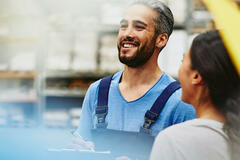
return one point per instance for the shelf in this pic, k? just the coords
(19, 100)
(12, 74)
(71, 73)
(64, 93)
(11, 40)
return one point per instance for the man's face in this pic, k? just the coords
(136, 38)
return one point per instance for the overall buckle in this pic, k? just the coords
(149, 118)
(101, 112)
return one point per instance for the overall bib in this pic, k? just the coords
(135, 145)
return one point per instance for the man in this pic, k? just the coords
(144, 31)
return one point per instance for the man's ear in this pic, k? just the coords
(161, 40)
(196, 78)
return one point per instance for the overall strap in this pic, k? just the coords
(152, 115)
(102, 103)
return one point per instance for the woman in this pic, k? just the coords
(211, 84)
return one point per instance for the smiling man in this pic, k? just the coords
(128, 101)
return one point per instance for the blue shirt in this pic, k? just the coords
(129, 116)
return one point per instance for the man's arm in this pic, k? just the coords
(87, 115)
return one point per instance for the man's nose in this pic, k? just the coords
(129, 32)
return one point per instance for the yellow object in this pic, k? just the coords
(227, 18)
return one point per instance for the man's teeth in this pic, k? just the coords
(128, 45)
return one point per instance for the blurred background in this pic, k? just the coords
(52, 50)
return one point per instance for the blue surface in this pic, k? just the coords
(34, 144)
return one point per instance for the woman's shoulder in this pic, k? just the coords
(193, 139)
(194, 132)
(190, 127)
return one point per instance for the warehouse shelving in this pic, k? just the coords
(14, 74)
(71, 73)
(64, 93)
(84, 29)
(18, 99)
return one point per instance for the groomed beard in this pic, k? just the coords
(141, 56)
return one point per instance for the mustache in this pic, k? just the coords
(130, 39)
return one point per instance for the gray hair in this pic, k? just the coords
(164, 21)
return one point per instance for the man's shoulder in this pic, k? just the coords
(178, 108)
(175, 98)
(185, 111)
(95, 85)
(163, 82)
(167, 78)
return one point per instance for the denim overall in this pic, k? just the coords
(135, 145)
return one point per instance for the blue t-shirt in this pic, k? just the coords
(129, 116)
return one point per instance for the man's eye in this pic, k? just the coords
(123, 26)
(140, 27)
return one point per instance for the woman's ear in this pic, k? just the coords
(196, 78)
(161, 40)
